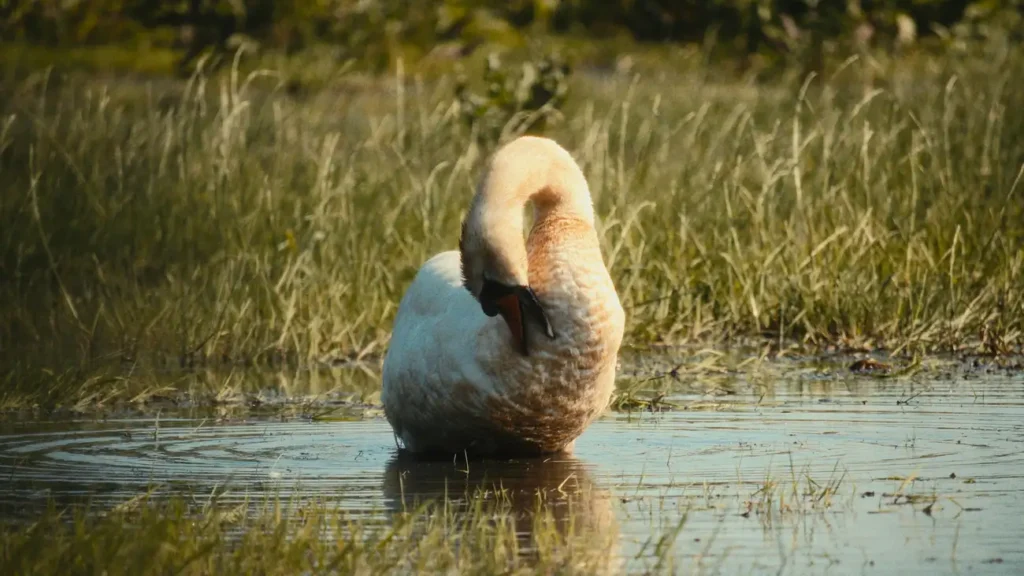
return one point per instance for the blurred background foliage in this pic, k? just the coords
(374, 34)
(309, 42)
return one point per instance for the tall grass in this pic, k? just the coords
(225, 218)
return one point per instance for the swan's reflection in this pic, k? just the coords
(539, 494)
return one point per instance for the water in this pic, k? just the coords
(850, 476)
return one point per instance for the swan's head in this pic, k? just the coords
(495, 271)
(494, 260)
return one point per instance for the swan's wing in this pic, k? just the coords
(431, 364)
(434, 289)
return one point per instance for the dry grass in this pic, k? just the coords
(149, 224)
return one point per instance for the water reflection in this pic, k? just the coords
(925, 470)
(547, 498)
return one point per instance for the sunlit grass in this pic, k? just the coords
(225, 221)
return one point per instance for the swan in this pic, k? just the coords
(505, 347)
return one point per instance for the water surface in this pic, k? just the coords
(857, 475)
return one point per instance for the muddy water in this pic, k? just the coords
(855, 476)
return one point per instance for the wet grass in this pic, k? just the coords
(676, 379)
(181, 537)
(242, 481)
(568, 528)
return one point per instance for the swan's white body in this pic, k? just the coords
(454, 380)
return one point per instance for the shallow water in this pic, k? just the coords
(924, 477)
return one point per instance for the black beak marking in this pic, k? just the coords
(530, 308)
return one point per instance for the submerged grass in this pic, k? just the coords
(567, 527)
(223, 219)
(177, 537)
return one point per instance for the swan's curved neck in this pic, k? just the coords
(530, 171)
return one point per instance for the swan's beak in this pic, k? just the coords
(512, 312)
(516, 304)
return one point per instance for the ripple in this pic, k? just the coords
(963, 448)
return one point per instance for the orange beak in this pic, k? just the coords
(512, 314)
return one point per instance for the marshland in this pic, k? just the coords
(818, 243)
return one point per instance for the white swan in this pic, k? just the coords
(508, 347)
